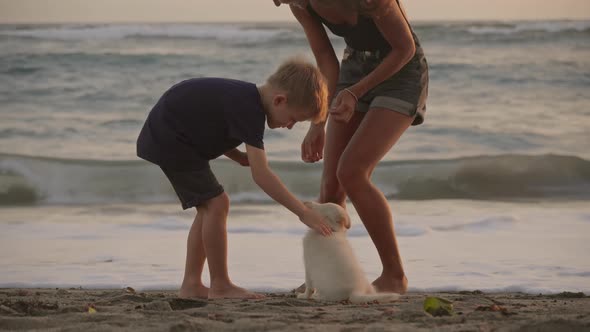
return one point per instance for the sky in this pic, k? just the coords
(86, 11)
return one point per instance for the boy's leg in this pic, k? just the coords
(192, 285)
(215, 242)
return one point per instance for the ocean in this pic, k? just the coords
(492, 192)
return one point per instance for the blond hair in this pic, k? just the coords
(304, 86)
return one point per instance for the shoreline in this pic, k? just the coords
(448, 246)
(127, 309)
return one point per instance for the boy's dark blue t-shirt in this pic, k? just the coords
(200, 119)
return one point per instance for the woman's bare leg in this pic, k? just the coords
(379, 131)
(338, 135)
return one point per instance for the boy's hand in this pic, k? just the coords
(316, 222)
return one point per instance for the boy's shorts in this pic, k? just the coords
(194, 187)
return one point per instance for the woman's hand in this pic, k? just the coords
(312, 148)
(343, 106)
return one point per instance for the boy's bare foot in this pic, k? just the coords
(386, 284)
(192, 292)
(232, 292)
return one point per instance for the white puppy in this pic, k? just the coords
(332, 272)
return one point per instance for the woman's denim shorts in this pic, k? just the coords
(404, 92)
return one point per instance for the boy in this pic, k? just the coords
(198, 120)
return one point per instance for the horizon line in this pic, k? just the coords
(285, 21)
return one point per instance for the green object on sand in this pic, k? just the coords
(437, 306)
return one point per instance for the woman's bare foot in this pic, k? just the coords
(388, 284)
(192, 292)
(232, 291)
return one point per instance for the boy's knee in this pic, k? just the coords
(219, 203)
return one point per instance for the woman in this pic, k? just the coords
(381, 89)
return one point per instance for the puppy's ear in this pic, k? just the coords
(342, 217)
(308, 204)
(346, 220)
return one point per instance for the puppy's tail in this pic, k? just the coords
(379, 297)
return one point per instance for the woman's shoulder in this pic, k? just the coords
(375, 7)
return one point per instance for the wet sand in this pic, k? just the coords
(127, 310)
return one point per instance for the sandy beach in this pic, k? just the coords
(126, 310)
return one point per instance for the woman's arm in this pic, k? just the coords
(390, 20)
(312, 146)
(321, 47)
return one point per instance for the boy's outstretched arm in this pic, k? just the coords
(272, 185)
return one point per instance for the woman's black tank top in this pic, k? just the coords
(364, 36)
